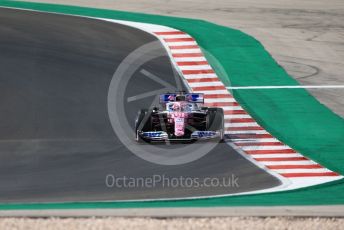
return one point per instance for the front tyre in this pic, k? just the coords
(215, 122)
(141, 123)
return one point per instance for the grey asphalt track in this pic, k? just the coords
(56, 140)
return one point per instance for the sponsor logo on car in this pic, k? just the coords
(203, 133)
(152, 134)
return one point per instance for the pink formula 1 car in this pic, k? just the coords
(181, 117)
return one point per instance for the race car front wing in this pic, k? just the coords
(163, 136)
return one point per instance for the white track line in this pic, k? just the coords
(201, 76)
(189, 43)
(301, 162)
(212, 100)
(317, 170)
(234, 116)
(247, 132)
(276, 155)
(175, 36)
(195, 67)
(242, 124)
(201, 84)
(183, 59)
(289, 87)
(218, 92)
(253, 140)
(184, 51)
(258, 147)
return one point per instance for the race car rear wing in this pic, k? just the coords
(189, 97)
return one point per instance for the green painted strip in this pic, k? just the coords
(332, 194)
(292, 115)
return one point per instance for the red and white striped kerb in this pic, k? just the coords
(241, 128)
